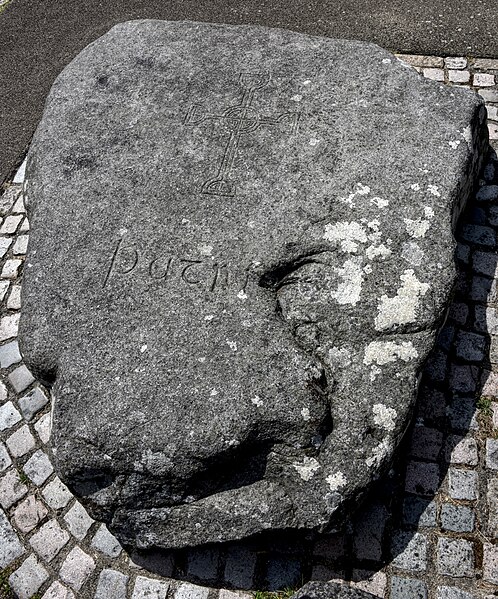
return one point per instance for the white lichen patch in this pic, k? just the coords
(417, 228)
(361, 190)
(379, 453)
(412, 253)
(374, 372)
(434, 190)
(379, 202)
(340, 356)
(415, 187)
(454, 144)
(384, 417)
(314, 141)
(428, 212)
(401, 309)
(232, 345)
(307, 468)
(384, 352)
(378, 251)
(257, 401)
(346, 235)
(305, 413)
(205, 249)
(467, 136)
(297, 98)
(143, 349)
(336, 481)
(242, 295)
(349, 289)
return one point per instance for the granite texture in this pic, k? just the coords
(330, 590)
(241, 252)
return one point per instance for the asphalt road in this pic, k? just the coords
(37, 38)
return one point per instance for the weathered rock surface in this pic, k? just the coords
(241, 252)
(330, 590)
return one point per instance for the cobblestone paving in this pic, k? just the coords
(429, 529)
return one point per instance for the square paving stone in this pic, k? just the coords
(189, 591)
(455, 557)
(56, 494)
(76, 568)
(463, 484)
(9, 354)
(10, 546)
(78, 521)
(38, 468)
(5, 460)
(419, 512)
(11, 489)
(492, 454)
(21, 378)
(111, 584)
(404, 588)
(29, 513)
(59, 591)
(20, 442)
(49, 540)
(422, 478)
(409, 551)
(452, 593)
(106, 543)
(150, 588)
(457, 518)
(490, 563)
(32, 403)
(8, 416)
(28, 578)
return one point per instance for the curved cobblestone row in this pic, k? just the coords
(429, 529)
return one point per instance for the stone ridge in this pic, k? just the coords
(273, 250)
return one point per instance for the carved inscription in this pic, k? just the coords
(201, 272)
(241, 119)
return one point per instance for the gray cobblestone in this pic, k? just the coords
(457, 518)
(106, 543)
(434, 74)
(49, 540)
(455, 557)
(422, 478)
(490, 563)
(487, 193)
(21, 378)
(461, 450)
(9, 326)
(111, 584)
(76, 568)
(489, 95)
(9, 416)
(10, 546)
(470, 346)
(426, 443)
(367, 541)
(492, 454)
(10, 269)
(21, 245)
(464, 377)
(149, 588)
(484, 80)
(38, 468)
(455, 62)
(191, 591)
(9, 354)
(31, 403)
(56, 494)
(29, 513)
(492, 503)
(5, 460)
(409, 551)
(14, 301)
(479, 235)
(404, 588)
(28, 578)
(42, 427)
(11, 489)
(59, 591)
(20, 442)
(463, 484)
(10, 224)
(452, 593)
(419, 512)
(78, 521)
(239, 568)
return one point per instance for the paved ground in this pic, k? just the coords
(430, 527)
(39, 38)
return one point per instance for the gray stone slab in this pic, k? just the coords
(241, 251)
(327, 590)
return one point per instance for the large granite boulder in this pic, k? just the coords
(241, 252)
